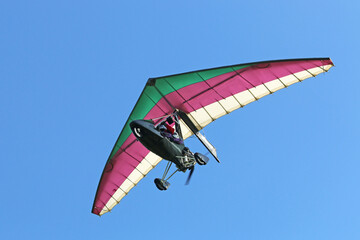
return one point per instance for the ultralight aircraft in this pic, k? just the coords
(172, 108)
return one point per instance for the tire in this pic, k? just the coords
(201, 159)
(162, 185)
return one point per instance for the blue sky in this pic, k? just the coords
(71, 71)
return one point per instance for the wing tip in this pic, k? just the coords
(95, 211)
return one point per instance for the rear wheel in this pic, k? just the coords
(161, 184)
(201, 159)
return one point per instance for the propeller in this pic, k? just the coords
(190, 174)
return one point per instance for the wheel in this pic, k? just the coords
(201, 159)
(161, 184)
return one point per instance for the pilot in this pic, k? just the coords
(167, 131)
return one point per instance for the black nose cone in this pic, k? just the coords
(143, 128)
(137, 127)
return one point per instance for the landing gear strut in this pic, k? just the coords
(187, 161)
(162, 184)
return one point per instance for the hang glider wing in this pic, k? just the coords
(204, 96)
